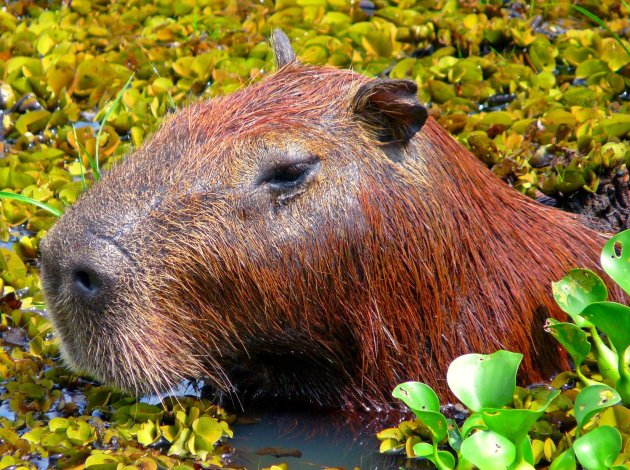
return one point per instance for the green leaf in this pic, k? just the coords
(390, 433)
(101, 460)
(391, 446)
(613, 320)
(148, 433)
(454, 436)
(484, 381)
(111, 108)
(615, 259)
(32, 390)
(593, 399)
(425, 404)
(616, 125)
(599, 448)
(599, 21)
(474, 421)
(208, 428)
(572, 337)
(565, 461)
(576, 290)
(33, 122)
(417, 396)
(60, 424)
(178, 447)
(445, 459)
(79, 433)
(35, 435)
(139, 412)
(488, 450)
(514, 424)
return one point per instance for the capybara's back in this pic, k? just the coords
(313, 238)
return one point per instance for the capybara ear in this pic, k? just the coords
(390, 108)
(282, 50)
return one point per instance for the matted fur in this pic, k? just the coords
(391, 262)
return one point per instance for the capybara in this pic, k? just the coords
(313, 239)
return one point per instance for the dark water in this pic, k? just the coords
(323, 440)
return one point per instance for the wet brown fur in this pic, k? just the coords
(394, 260)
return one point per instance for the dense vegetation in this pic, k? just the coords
(539, 90)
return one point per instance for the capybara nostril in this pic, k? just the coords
(86, 283)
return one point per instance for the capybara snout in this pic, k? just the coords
(314, 238)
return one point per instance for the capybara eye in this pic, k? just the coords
(283, 177)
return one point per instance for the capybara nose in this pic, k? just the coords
(81, 271)
(87, 284)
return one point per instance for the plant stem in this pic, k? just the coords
(606, 358)
(438, 461)
(586, 381)
(623, 384)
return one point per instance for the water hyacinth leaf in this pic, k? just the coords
(613, 319)
(590, 67)
(32, 391)
(208, 428)
(417, 396)
(138, 413)
(474, 421)
(565, 461)
(55, 439)
(593, 399)
(514, 424)
(423, 401)
(390, 433)
(488, 450)
(576, 290)
(148, 433)
(58, 424)
(12, 268)
(454, 436)
(572, 337)
(409, 443)
(444, 460)
(603, 25)
(178, 447)
(35, 435)
(391, 446)
(615, 126)
(100, 460)
(615, 258)
(484, 381)
(599, 448)
(436, 422)
(32, 122)
(79, 433)
(423, 449)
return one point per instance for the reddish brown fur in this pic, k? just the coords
(393, 261)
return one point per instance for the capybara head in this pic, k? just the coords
(301, 240)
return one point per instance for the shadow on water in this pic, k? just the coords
(315, 440)
(306, 440)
